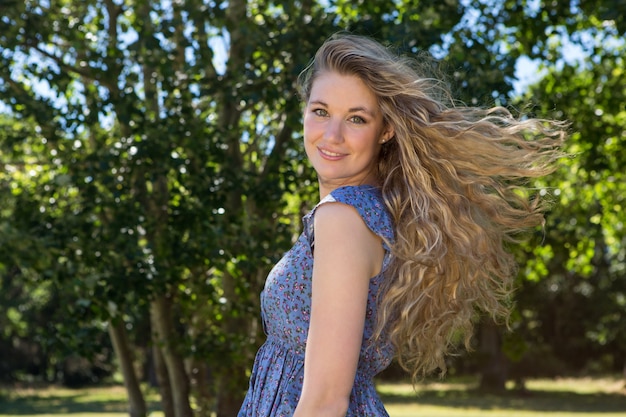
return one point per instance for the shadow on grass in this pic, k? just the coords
(535, 400)
(62, 404)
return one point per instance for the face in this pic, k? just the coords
(343, 131)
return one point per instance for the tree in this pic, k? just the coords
(169, 173)
(578, 262)
(173, 164)
(584, 250)
(548, 32)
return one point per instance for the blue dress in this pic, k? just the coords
(278, 371)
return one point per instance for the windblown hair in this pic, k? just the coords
(454, 180)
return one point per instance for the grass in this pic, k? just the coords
(593, 397)
(54, 401)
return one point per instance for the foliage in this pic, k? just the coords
(167, 156)
(151, 150)
(584, 246)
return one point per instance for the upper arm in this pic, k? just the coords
(346, 255)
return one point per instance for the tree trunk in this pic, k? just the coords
(230, 396)
(228, 403)
(164, 337)
(231, 382)
(163, 380)
(119, 338)
(493, 373)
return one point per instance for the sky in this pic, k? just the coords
(527, 73)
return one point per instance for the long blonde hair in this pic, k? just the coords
(453, 180)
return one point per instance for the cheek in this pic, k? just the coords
(369, 143)
(308, 131)
(305, 126)
(306, 137)
(307, 140)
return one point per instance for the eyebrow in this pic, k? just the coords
(350, 110)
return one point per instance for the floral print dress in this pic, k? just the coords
(278, 371)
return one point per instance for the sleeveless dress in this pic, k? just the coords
(278, 371)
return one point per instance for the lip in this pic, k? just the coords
(330, 155)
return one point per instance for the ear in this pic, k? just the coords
(387, 135)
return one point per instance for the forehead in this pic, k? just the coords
(332, 87)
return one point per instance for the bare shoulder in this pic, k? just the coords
(343, 239)
(339, 216)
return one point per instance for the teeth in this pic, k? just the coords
(325, 152)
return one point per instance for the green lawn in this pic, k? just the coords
(52, 401)
(605, 397)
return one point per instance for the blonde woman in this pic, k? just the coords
(418, 200)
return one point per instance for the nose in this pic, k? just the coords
(333, 131)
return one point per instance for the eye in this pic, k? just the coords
(320, 112)
(357, 120)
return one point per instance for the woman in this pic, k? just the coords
(417, 203)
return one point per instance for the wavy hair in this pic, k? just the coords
(454, 180)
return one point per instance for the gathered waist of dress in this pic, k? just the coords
(284, 347)
(370, 362)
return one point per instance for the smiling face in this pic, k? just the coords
(343, 131)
